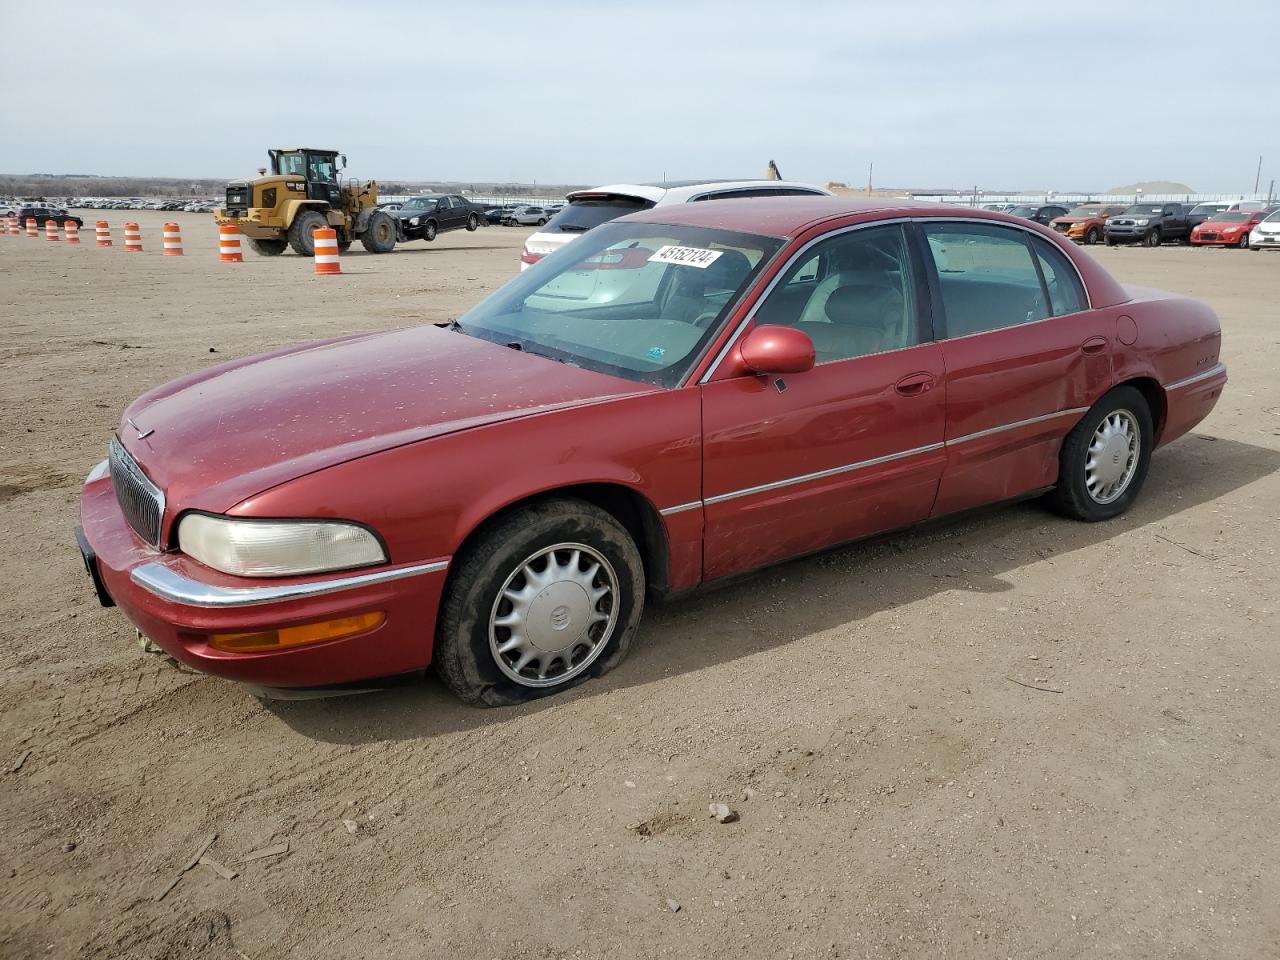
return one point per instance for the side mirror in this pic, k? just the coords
(774, 349)
(343, 158)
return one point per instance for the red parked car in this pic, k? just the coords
(1228, 229)
(680, 395)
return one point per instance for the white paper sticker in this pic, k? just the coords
(686, 256)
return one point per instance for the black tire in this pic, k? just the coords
(1110, 242)
(1152, 239)
(429, 231)
(379, 233)
(1091, 236)
(1243, 244)
(542, 222)
(300, 238)
(1072, 497)
(473, 223)
(464, 658)
(268, 248)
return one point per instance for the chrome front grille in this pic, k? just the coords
(141, 501)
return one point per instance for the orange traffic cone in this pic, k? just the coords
(132, 238)
(31, 227)
(73, 232)
(229, 243)
(172, 240)
(13, 227)
(103, 230)
(326, 243)
(51, 230)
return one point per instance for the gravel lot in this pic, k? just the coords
(899, 793)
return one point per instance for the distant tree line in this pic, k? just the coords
(87, 185)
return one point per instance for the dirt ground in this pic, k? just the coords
(900, 794)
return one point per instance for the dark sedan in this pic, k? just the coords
(42, 214)
(422, 218)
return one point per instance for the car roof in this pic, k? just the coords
(683, 190)
(787, 216)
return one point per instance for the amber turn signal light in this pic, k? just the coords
(296, 636)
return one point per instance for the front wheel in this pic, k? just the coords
(1104, 459)
(429, 231)
(301, 230)
(540, 601)
(1091, 236)
(1152, 239)
(1243, 242)
(542, 222)
(268, 248)
(379, 233)
(473, 222)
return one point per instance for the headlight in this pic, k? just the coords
(277, 548)
(413, 221)
(1142, 223)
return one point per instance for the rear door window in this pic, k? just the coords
(1066, 293)
(987, 277)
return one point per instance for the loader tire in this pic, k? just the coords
(300, 238)
(380, 234)
(268, 248)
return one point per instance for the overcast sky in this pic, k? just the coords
(1077, 95)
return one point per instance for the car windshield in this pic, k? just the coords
(1231, 217)
(1084, 212)
(634, 300)
(584, 213)
(1023, 211)
(1144, 209)
(419, 203)
(1274, 218)
(1208, 209)
(292, 163)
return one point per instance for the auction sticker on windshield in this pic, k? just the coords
(686, 256)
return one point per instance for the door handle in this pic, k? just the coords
(1094, 345)
(914, 384)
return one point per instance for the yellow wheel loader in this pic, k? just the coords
(302, 191)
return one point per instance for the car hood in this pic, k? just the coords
(217, 437)
(409, 214)
(1212, 224)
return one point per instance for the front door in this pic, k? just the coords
(799, 462)
(1025, 358)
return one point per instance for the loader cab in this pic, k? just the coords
(318, 167)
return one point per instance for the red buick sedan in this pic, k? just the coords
(678, 396)
(1228, 229)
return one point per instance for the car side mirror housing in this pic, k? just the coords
(773, 349)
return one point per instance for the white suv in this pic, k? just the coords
(590, 208)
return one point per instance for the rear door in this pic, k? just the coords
(1025, 358)
(795, 463)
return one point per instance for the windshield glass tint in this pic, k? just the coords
(1205, 209)
(582, 215)
(1274, 218)
(1144, 209)
(1023, 211)
(635, 300)
(419, 203)
(1231, 217)
(1084, 212)
(292, 163)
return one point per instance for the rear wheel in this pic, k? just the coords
(268, 248)
(473, 222)
(300, 238)
(1152, 239)
(1091, 236)
(380, 233)
(1104, 459)
(539, 602)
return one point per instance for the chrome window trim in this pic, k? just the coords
(822, 474)
(764, 295)
(1072, 411)
(1213, 371)
(167, 584)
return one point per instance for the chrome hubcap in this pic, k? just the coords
(1113, 456)
(554, 615)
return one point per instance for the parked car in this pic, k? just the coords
(1203, 211)
(422, 218)
(677, 398)
(8, 210)
(586, 209)
(1149, 224)
(391, 206)
(493, 215)
(1266, 235)
(1086, 222)
(1228, 229)
(1039, 213)
(526, 216)
(41, 214)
